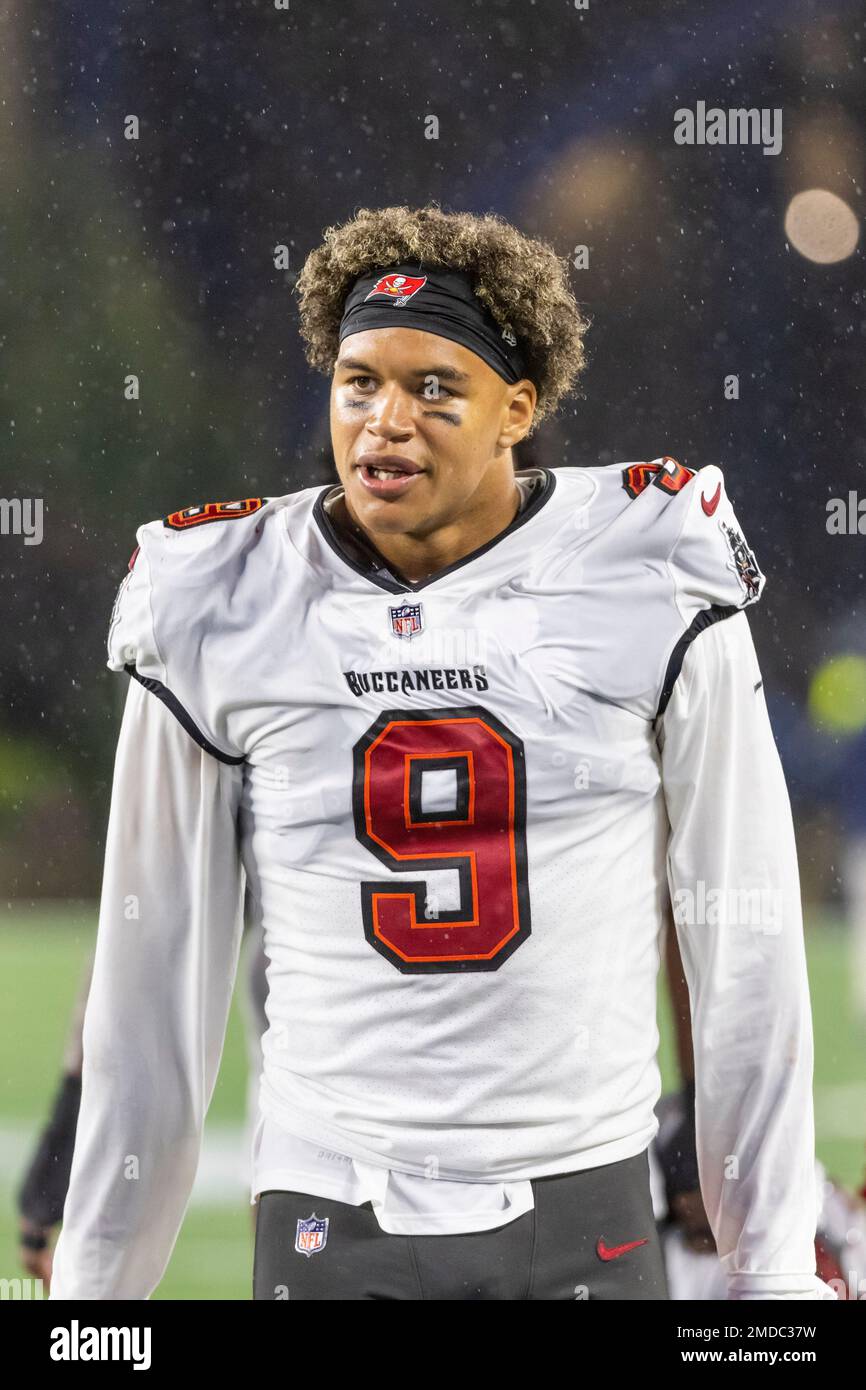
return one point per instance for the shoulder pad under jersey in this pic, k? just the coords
(665, 548)
(709, 558)
(179, 604)
(688, 519)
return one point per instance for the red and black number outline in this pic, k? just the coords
(212, 511)
(484, 844)
(638, 476)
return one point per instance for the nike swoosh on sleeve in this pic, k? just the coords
(710, 507)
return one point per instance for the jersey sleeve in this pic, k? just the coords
(712, 570)
(667, 559)
(733, 877)
(131, 635)
(169, 932)
(165, 629)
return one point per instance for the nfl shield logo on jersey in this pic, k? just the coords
(312, 1234)
(406, 620)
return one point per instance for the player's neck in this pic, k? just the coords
(415, 558)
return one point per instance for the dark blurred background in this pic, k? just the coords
(261, 126)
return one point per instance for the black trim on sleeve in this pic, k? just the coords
(181, 715)
(702, 620)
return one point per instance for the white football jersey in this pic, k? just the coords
(460, 821)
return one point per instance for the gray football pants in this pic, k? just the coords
(591, 1235)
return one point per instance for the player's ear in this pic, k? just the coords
(517, 413)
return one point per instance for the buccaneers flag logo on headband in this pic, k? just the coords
(398, 288)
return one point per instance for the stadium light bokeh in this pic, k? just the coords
(821, 226)
(837, 694)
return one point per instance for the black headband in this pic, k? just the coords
(436, 300)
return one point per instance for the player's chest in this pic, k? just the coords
(450, 744)
(430, 698)
(536, 655)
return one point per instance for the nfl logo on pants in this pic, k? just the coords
(406, 620)
(311, 1235)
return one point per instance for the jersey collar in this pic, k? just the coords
(361, 555)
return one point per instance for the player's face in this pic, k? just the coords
(422, 430)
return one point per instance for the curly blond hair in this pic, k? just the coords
(520, 279)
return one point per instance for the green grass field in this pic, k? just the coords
(43, 953)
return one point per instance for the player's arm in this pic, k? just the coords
(734, 883)
(166, 956)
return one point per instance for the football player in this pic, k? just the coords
(462, 729)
